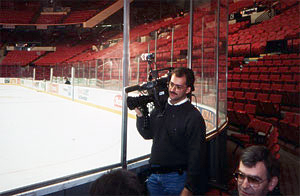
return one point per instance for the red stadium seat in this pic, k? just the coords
(273, 70)
(264, 70)
(251, 97)
(277, 87)
(230, 95)
(264, 77)
(235, 85)
(253, 77)
(245, 116)
(231, 108)
(274, 77)
(239, 96)
(254, 86)
(284, 70)
(257, 132)
(288, 78)
(244, 77)
(265, 87)
(289, 127)
(236, 77)
(253, 70)
(245, 86)
(271, 107)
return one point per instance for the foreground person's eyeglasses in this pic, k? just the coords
(252, 180)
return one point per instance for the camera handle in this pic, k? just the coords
(145, 111)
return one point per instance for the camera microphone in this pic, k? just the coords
(148, 85)
(132, 88)
(144, 86)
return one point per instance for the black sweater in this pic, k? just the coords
(178, 141)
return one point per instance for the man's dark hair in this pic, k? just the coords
(188, 73)
(254, 154)
(117, 182)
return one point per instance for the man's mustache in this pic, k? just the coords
(171, 92)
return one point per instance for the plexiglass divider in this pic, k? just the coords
(168, 39)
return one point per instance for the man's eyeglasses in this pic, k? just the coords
(252, 180)
(177, 87)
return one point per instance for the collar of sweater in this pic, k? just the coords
(179, 103)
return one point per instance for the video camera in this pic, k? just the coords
(154, 91)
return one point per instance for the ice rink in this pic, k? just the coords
(44, 137)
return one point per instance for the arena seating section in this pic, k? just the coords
(21, 57)
(61, 54)
(49, 19)
(18, 15)
(32, 14)
(265, 89)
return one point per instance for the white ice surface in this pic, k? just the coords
(43, 137)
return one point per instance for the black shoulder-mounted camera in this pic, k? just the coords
(155, 90)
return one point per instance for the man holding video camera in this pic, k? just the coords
(178, 133)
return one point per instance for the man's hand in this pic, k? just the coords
(186, 192)
(138, 112)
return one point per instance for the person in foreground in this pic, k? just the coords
(258, 172)
(117, 182)
(178, 132)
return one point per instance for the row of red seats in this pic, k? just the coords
(240, 114)
(163, 44)
(64, 70)
(279, 27)
(282, 56)
(282, 26)
(9, 71)
(267, 105)
(25, 12)
(238, 5)
(49, 19)
(290, 127)
(42, 73)
(266, 78)
(233, 28)
(263, 87)
(21, 58)
(14, 71)
(275, 77)
(79, 16)
(16, 17)
(258, 132)
(265, 69)
(136, 48)
(180, 38)
(25, 17)
(19, 5)
(244, 49)
(61, 54)
(275, 62)
(283, 5)
(290, 92)
(253, 97)
(257, 48)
